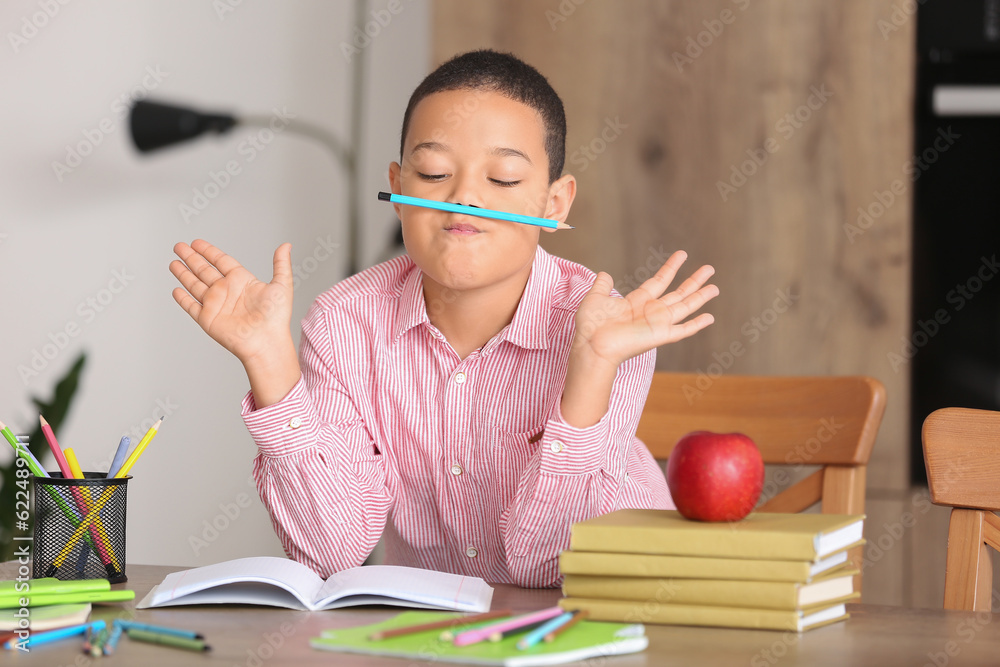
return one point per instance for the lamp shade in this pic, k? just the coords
(155, 125)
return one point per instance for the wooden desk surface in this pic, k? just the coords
(265, 636)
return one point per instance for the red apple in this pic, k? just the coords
(715, 476)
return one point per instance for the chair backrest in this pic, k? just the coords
(962, 457)
(830, 421)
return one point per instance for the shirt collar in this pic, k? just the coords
(412, 310)
(528, 328)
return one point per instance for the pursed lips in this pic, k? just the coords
(462, 228)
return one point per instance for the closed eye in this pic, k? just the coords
(504, 184)
(431, 177)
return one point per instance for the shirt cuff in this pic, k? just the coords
(284, 427)
(568, 450)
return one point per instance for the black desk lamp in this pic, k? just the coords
(156, 125)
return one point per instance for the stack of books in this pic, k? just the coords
(767, 571)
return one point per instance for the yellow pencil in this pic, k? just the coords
(104, 497)
(83, 500)
(137, 452)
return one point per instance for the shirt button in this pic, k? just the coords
(295, 423)
(556, 446)
(460, 377)
(471, 552)
(456, 469)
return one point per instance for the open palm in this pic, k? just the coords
(241, 313)
(616, 330)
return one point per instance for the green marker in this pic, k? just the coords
(167, 640)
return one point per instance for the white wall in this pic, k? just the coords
(62, 241)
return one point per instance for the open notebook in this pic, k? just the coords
(279, 582)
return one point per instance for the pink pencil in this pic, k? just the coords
(482, 634)
(50, 437)
(81, 502)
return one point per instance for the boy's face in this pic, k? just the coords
(482, 149)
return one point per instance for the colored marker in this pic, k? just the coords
(473, 210)
(167, 640)
(116, 634)
(120, 454)
(39, 638)
(161, 629)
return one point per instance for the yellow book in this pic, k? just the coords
(762, 535)
(716, 592)
(651, 611)
(697, 567)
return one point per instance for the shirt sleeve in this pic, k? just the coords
(580, 473)
(316, 469)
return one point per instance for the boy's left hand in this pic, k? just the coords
(611, 330)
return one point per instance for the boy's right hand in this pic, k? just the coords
(250, 318)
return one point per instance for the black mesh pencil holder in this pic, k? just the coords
(79, 527)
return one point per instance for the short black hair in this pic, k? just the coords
(508, 75)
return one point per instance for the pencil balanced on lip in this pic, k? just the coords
(472, 210)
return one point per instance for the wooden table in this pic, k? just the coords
(265, 636)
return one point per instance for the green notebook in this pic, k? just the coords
(584, 640)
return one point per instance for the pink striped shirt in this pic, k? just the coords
(467, 465)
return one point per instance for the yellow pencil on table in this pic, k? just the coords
(100, 502)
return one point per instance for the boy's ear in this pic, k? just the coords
(395, 185)
(561, 195)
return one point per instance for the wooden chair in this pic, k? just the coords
(828, 421)
(962, 456)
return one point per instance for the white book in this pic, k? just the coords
(280, 582)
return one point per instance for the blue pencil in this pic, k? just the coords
(116, 633)
(161, 629)
(473, 210)
(120, 455)
(536, 635)
(39, 638)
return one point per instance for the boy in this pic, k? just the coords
(473, 398)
